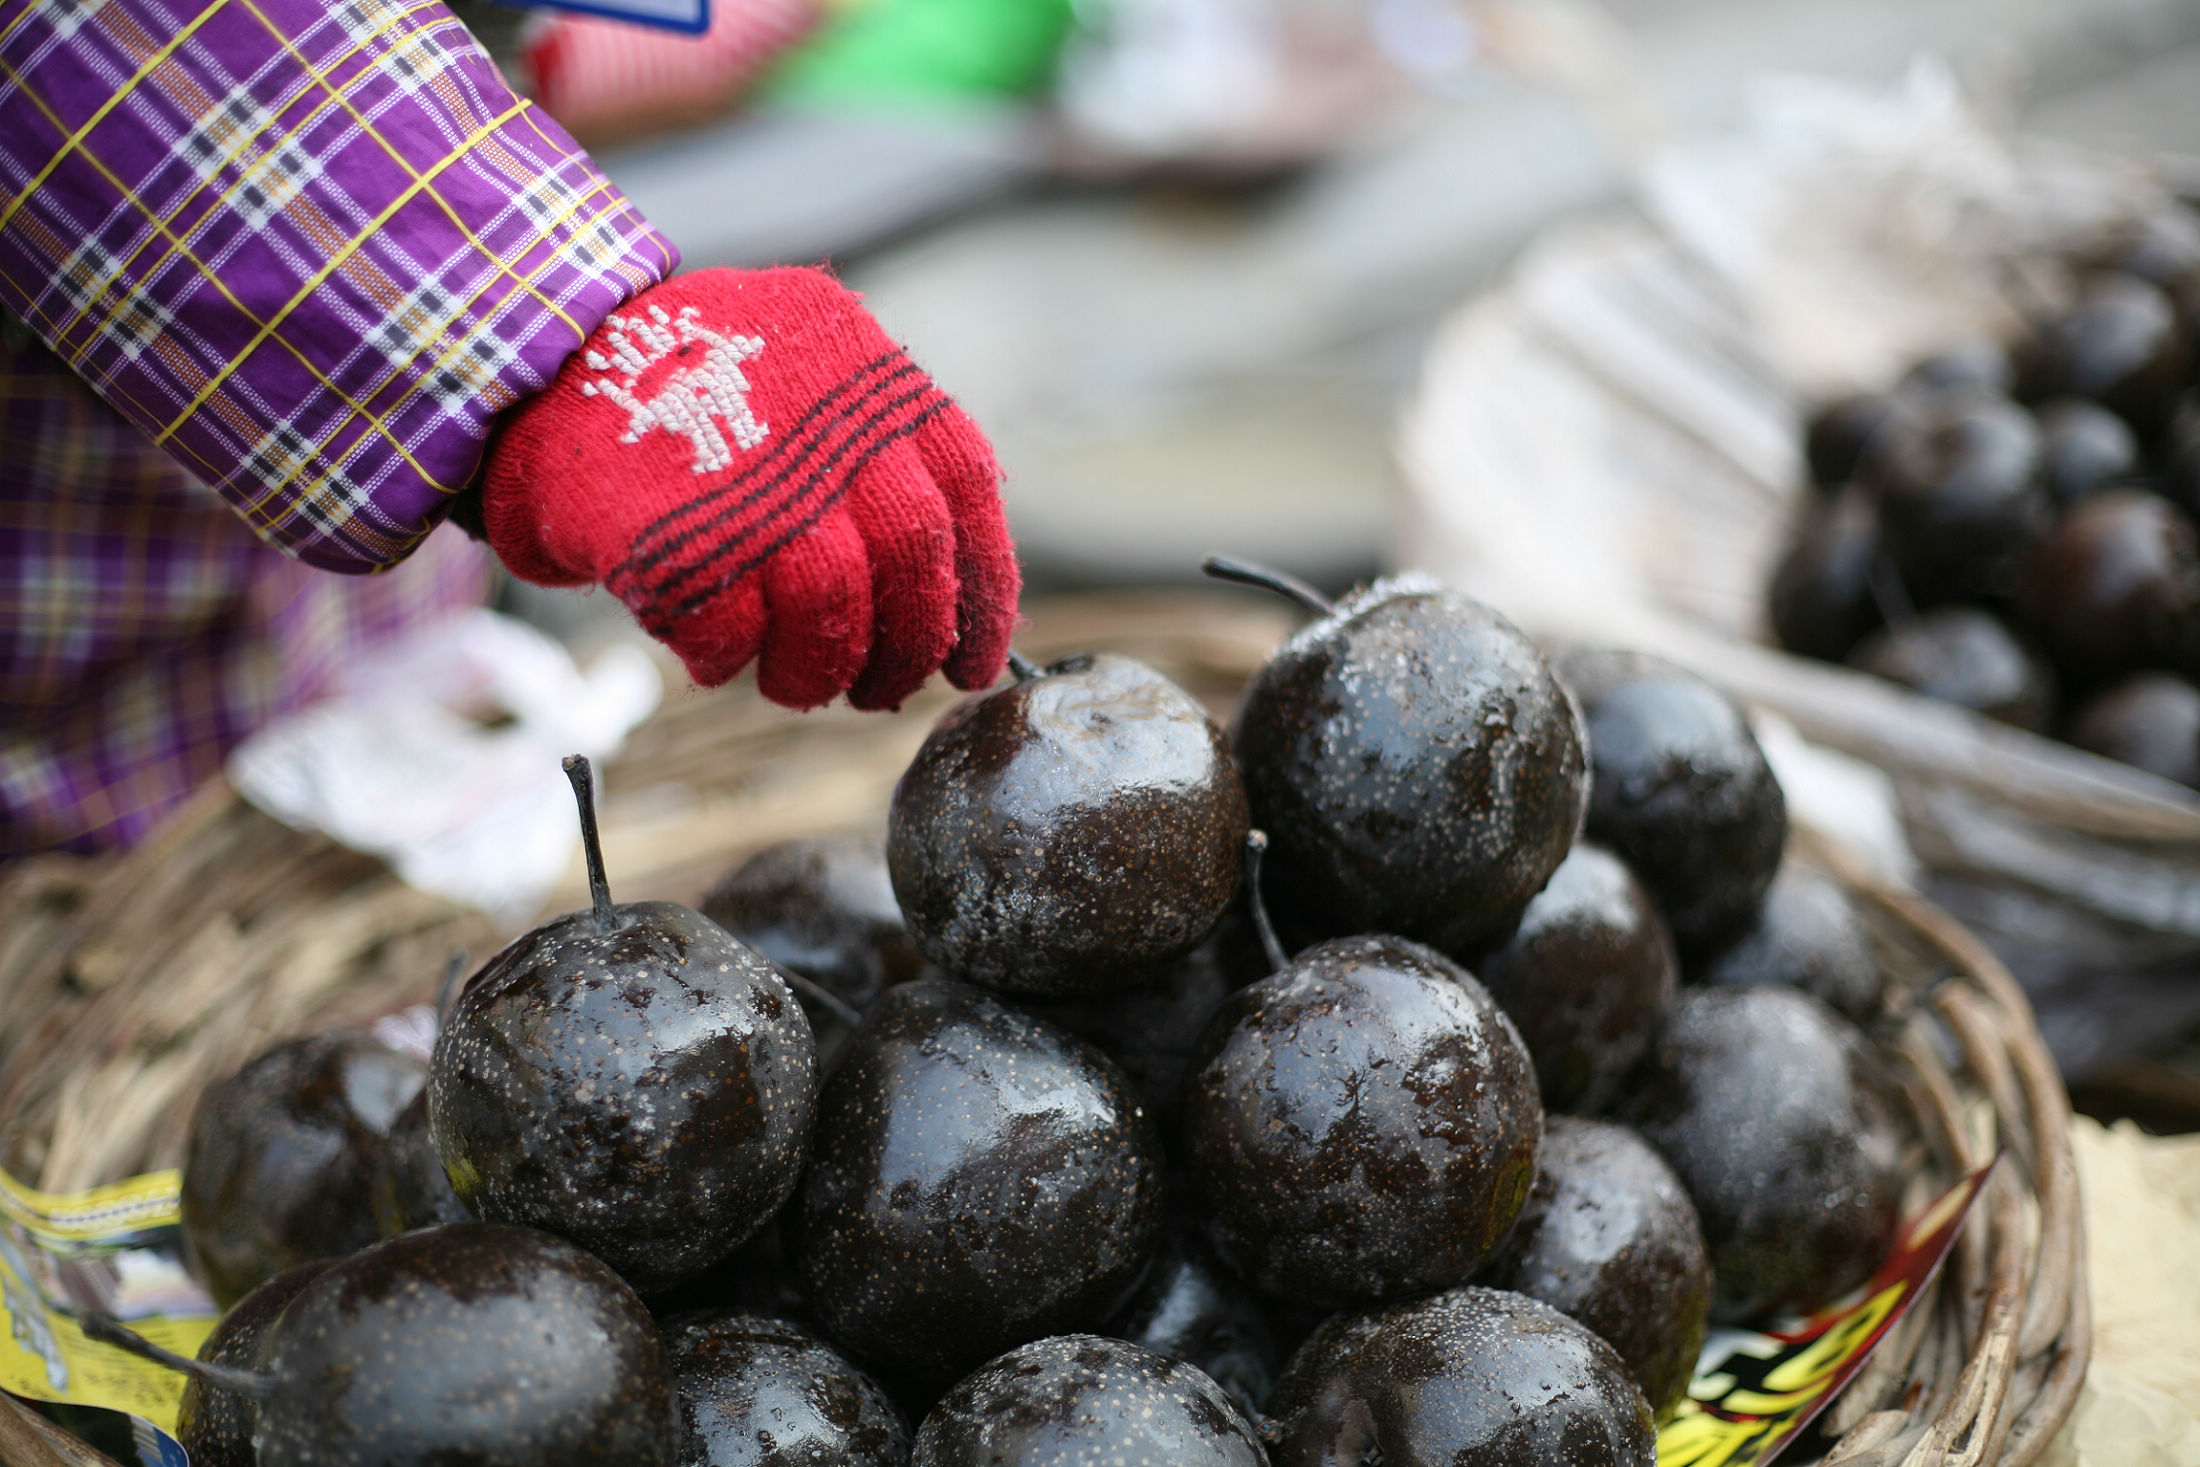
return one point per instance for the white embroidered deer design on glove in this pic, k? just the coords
(693, 399)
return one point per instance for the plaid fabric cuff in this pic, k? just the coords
(311, 249)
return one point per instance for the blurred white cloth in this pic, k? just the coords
(441, 755)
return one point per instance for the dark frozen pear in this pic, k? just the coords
(1960, 499)
(1784, 1126)
(1808, 935)
(629, 1077)
(2118, 344)
(470, 1343)
(1682, 791)
(2150, 721)
(756, 1278)
(979, 1177)
(1980, 363)
(1191, 1307)
(1416, 766)
(1086, 1401)
(1069, 833)
(280, 1165)
(756, 1391)
(1151, 1030)
(1610, 1239)
(2116, 588)
(1823, 599)
(1586, 977)
(411, 1189)
(1965, 656)
(1361, 1125)
(823, 908)
(215, 1425)
(2083, 447)
(1473, 1376)
(1844, 438)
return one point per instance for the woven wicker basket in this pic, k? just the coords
(130, 982)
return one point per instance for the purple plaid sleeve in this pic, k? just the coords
(309, 247)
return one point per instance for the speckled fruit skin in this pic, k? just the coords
(1152, 1029)
(1067, 834)
(1610, 1240)
(411, 1189)
(1469, 1378)
(1807, 935)
(980, 1178)
(822, 907)
(215, 1425)
(645, 1092)
(1190, 1307)
(1682, 791)
(756, 1391)
(1965, 656)
(1784, 1127)
(281, 1161)
(1085, 1401)
(1361, 1125)
(1416, 767)
(477, 1343)
(1587, 978)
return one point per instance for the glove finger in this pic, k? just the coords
(722, 636)
(961, 463)
(817, 598)
(910, 537)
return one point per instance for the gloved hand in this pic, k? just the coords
(747, 461)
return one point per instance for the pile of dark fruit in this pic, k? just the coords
(2012, 529)
(1563, 1063)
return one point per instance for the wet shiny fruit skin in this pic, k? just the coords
(1610, 1240)
(474, 1343)
(1586, 977)
(1682, 792)
(2119, 344)
(1786, 1130)
(1191, 1307)
(2151, 722)
(756, 1391)
(1808, 935)
(214, 1425)
(978, 1178)
(1068, 834)
(1473, 1376)
(281, 1162)
(1845, 437)
(645, 1092)
(2083, 447)
(1085, 1401)
(2116, 588)
(822, 907)
(1965, 656)
(1416, 767)
(1361, 1125)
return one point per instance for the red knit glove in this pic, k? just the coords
(747, 461)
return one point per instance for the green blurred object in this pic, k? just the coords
(900, 51)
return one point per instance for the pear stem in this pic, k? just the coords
(109, 1330)
(1248, 573)
(583, 780)
(1256, 845)
(1022, 667)
(817, 993)
(447, 995)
